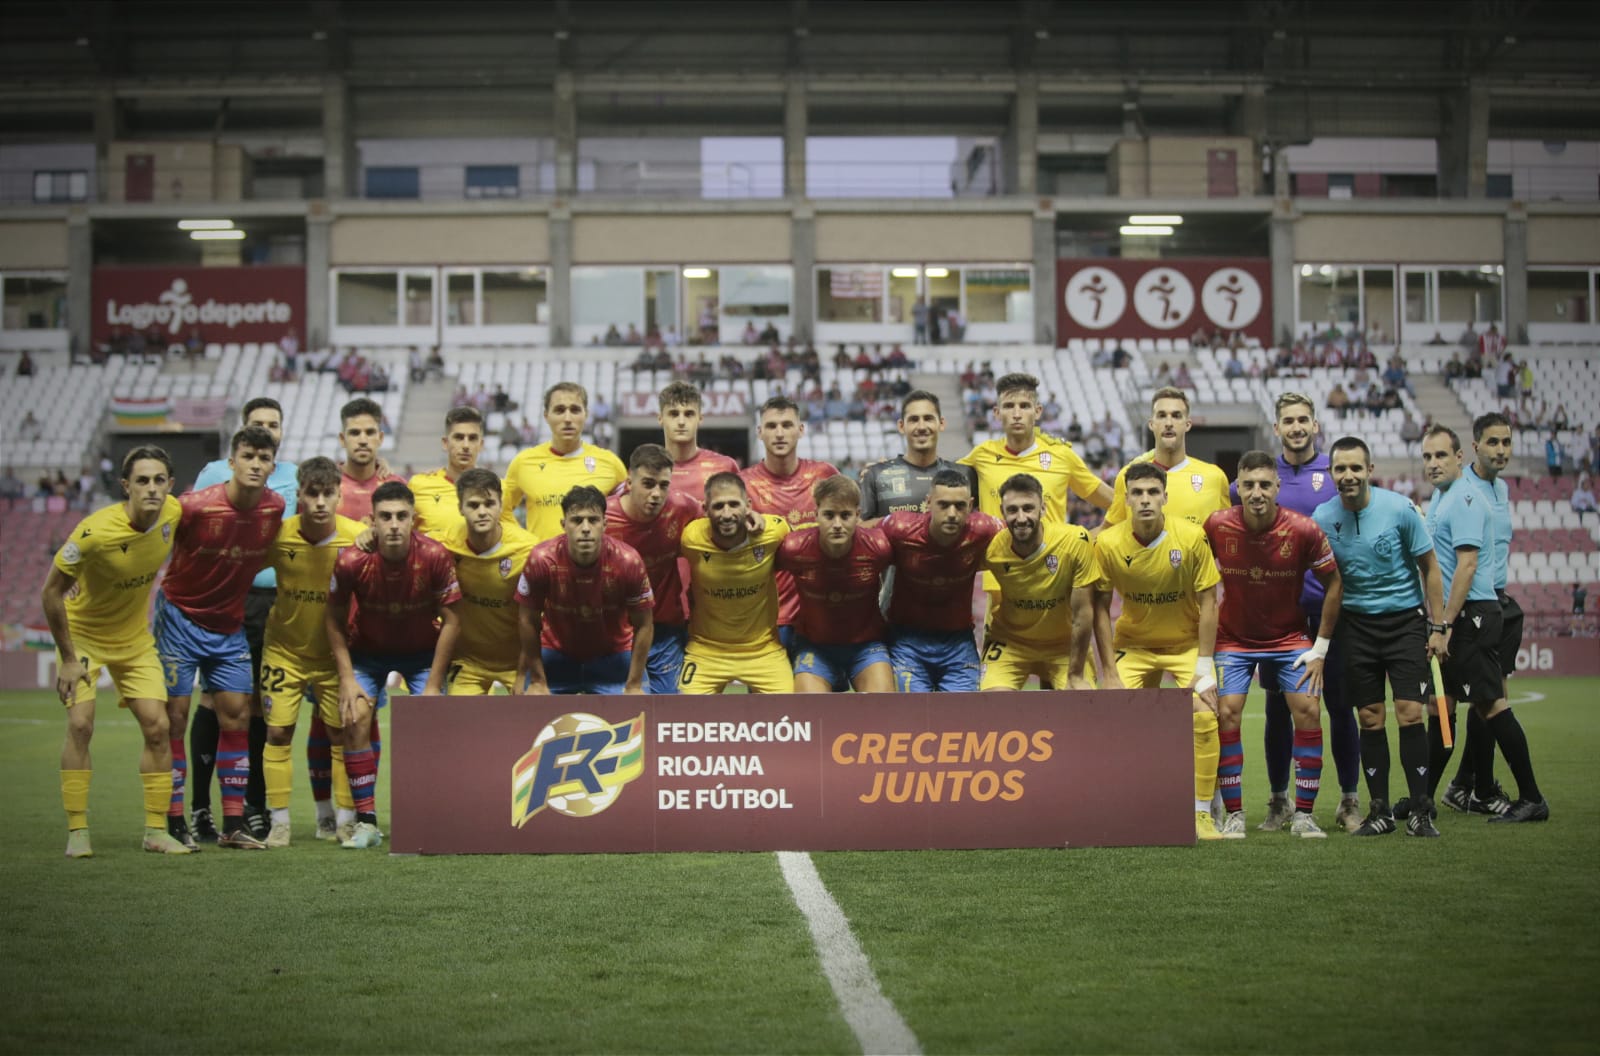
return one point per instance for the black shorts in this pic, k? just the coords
(1510, 633)
(257, 607)
(1472, 670)
(1390, 646)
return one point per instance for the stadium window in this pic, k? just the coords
(1418, 286)
(1410, 185)
(33, 302)
(461, 297)
(492, 181)
(603, 298)
(367, 298)
(1557, 295)
(516, 297)
(1497, 185)
(903, 292)
(61, 186)
(854, 294)
(1377, 299)
(393, 181)
(1341, 185)
(944, 289)
(754, 294)
(1328, 294)
(419, 298)
(1470, 295)
(999, 295)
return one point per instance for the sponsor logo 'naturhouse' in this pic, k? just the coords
(177, 309)
(577, 766)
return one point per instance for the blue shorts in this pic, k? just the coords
(1235, 670)
(372, 673)
(185, 648)
(787, 635)
(604, 674)
(934, 661)
(666, 657)
(838, 665)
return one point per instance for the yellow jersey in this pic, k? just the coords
(1053, 461)
(733, 592)
(543, 478)
(488, 608)
(1159, 583)
(304, 571)
(1195, 490)
(438, 506)
(1035, 591)
(114, 565)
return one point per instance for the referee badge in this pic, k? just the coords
(1044, 460)
(1176, 557)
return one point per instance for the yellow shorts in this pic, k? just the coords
(464, 678)
(136, 675)
(285, 684)
(1143, 669)
(1007, 666)
(708, 669)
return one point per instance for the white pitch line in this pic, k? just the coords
(877, 1026)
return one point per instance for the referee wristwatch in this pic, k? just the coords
(1439, 628)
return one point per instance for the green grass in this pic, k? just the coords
(1483, 941)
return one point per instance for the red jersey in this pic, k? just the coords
(585, 610)
(218, 551)
(838, 596)
(689, 476)
(355, 496)
(1262, 576)
(393, 604)
(657, 545)
(933, 583)
(790, 498)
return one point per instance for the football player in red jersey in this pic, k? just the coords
(222, 541)
(780, 484)
(837, 568)
(936, 556)
(1264, 552)
(650, 517)
(398, 591)
(585, 620)
(679, 410)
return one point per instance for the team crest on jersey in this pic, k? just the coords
(588, 463)
(578, 766)
(1176, 557)
(1196, 481)
(70, 554)
(505, 567)
(1052, 563)
(759, 553)
(1287, 548)
(1044, 460)
(1317, 481)
(166, 533)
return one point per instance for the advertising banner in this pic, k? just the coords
(511, 775)
(224, 305)
(716, 405)
(1132, 299)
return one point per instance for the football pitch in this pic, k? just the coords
(1487, 940)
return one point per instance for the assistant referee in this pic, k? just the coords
(1382, 544)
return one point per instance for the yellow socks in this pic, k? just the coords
(157, 797)
(1207, 748)
(277, 767)
(341, 781)
(75, 797)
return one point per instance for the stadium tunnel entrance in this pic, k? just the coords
(730, 440)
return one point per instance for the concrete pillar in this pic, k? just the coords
(80, 273)
(1250, 119)
(1044, 279)
(1020, 145)
(319, 263)
(794, 141)
(105, 131)
(803, 261)
(1284, 275)
(1464, 142)
(560, 227)
(340, 165)
(565, 124)
(1515, 326)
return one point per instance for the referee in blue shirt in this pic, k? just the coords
(1382, 546)
(1462, 519)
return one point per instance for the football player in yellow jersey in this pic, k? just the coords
(295, 660)
(96, 598)
(489, 557)
(1044, 619)
(438, 505)
(541, 476)
(733, 628)
(1023, 449)
(1163, 568)
(1195, 489)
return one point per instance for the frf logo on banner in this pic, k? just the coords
(1165, 297)
(578, 766)
(218, 304)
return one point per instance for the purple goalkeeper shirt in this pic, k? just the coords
(1302, 489)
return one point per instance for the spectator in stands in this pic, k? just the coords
(1554, 453)
(1491, 345)
(1163, 378)
(613, 336)
(919, 322)
(1505, 382)
(1594, 450)
(671, 339)
(896, 358)
(1454, 369)
(1339, 400)
(857, 409)
(633, 336)
(769, 334)
(510, 435)
(1377, 401)
(1095, 451)
(1437, 339)
(1121, 358)
(834, 407)
(87, 488)
(599, 409)
(44, 488)
(1583, 497)
(1234, 368)
(1580, 599)
(816, 411)
(1559, 419)
(645, 360)
(24, 365)
(1410, 432)
(1200, 339)
(414, 364)
(751, 335)
(1075, 430)
(462, 398)
(1404, 486)
(1376, 335)
(11, 485)
(500, 400)
(29, 429)
(1182, 379)
(1525, 381)
(61, 487)
(527, 433)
